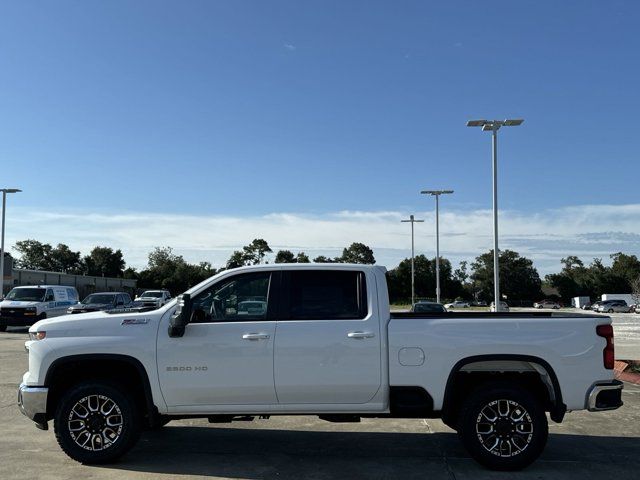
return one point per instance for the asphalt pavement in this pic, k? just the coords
(586, 446)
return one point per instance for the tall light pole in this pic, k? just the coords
(4, 207)
(493, 126)
(437, 193)
(413, 275)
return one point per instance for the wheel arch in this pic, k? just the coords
(69, 370)
(538, 365)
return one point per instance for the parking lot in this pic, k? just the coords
(585, 446)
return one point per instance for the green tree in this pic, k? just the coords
(167, 270)
(237, 259)
(461, 274)
(256, 251)
(399, 280)
(358, 253)
(302, 258)
(323, 259)
(34, 255)
(519, 280)
(626, 267)
(104, 261)
(63, 259)
(252, 254)
(285, 256)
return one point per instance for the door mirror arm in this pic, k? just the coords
(181, 316)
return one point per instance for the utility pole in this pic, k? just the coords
(412, 220)
(4, 207)
(437, 193)
(493, 126)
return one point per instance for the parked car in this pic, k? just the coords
(428, 307)
(594, 306)
(503, 306)
(252, 307)
(102, 302)
(153, 298)
(547, 304)
(457, 304)
(613, 306)
(24, 306)
(327, 345)
(478, 303)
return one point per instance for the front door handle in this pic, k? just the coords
(360, 335)
(256, 336)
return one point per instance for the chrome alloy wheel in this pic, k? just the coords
(95, 422)
(504, 428)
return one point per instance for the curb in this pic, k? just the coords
(625, 376)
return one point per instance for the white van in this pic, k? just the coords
(24, 306)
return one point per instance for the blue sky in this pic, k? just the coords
(242, 110)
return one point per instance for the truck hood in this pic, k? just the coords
(91, 324)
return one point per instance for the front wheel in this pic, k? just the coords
(503, 427)
(610, 310)
(3, 328)
(96, 422)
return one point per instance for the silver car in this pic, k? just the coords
(503, 307)
(613, 306)
(547, 304)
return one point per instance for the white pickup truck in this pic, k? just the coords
(314, 340)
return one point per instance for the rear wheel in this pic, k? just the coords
(610, 310)
(503, 427)
(3, 328)
(96, 422)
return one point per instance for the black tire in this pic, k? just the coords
(522, 428)
(610, 310)
(121, 422)
(3, 328)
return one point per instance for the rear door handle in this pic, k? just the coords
(360, 335)
(256, 336)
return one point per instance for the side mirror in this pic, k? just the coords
(181, 316)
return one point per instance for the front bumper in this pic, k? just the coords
(605, 396)
(18, 321)
(33, 404)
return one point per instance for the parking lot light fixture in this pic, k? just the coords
(493, 126)
(4, 207)
(437, 193)
(413, 275)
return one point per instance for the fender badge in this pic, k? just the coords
(135, 321)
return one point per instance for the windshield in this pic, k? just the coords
(428, 307)
(97, 298)
(27, 294)
(152, 294)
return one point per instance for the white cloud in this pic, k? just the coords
(289, 47)
(546, 236)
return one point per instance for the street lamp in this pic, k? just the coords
(493, 126)
(4, 207)
(437, 193)
(413, 289)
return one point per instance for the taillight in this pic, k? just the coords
(606, 331)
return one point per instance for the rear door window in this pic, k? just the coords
(324, 295)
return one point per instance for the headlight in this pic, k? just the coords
(37, 335)
(31, 309)
(70, 310)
